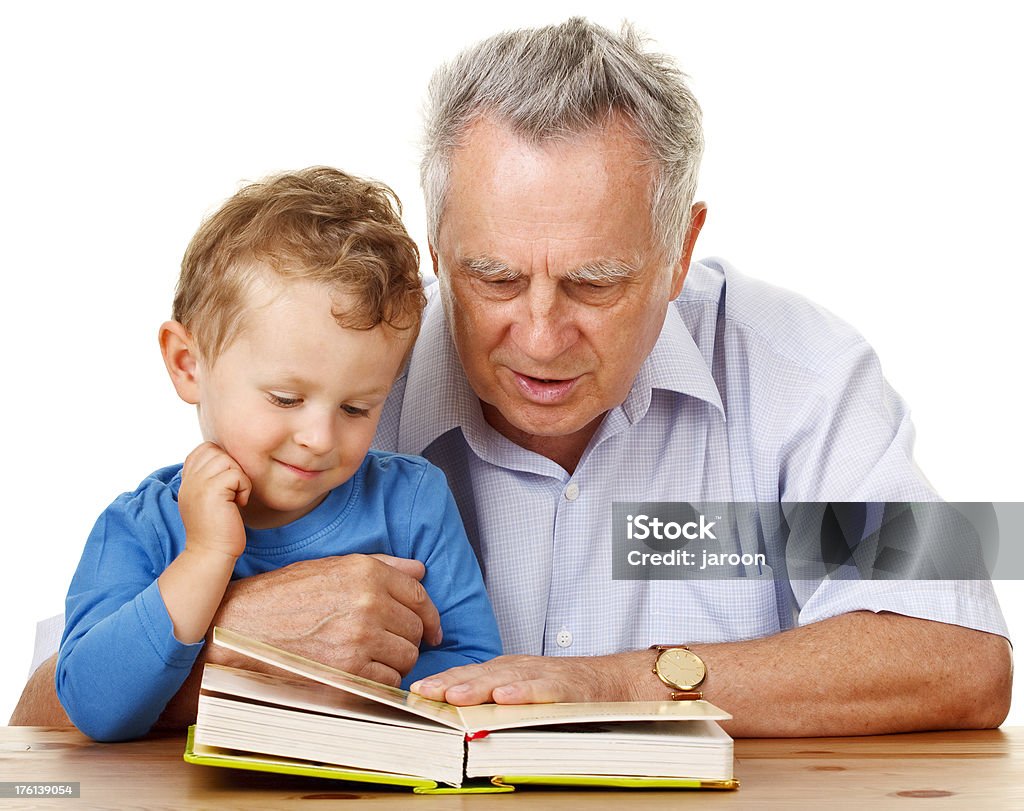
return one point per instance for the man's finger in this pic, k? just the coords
(413, 568)
(382, 673)
(408, 590)
(468, 684)
(533, 691)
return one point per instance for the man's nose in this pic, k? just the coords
(544, 328)
(316, 430)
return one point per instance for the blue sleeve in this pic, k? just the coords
(119, 663)
(453, 581)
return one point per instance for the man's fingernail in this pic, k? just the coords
(458, 689)
(415, 686)
(503, 692)
(424, 684)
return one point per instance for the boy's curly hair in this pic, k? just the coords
(318, 224)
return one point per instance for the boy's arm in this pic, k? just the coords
(119, 662)
(213, 487)
(453, 579)
(130, 642)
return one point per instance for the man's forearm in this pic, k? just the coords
(38, 705)
(857, 674)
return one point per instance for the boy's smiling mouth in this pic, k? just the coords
(301, 472)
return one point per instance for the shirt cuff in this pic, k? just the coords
(159, 630)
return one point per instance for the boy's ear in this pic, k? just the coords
(178, 350)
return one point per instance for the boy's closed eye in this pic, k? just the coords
(291, 402)
(282, 401)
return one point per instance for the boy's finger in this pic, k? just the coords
(244, 490)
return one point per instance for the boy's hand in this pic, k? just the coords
(213, 487)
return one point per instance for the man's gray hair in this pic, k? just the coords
(563, 80)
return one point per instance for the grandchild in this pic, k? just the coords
(297, 304)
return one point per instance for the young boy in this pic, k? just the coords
(297, 304)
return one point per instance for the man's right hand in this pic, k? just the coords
(364, 614)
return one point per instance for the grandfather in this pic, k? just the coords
(571, 356)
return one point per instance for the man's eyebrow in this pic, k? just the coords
(598, 271)
(604, 271)
(487, 268)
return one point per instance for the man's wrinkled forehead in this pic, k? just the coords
(497, 173)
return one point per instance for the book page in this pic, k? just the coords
(325, 674)
(305, 694)
(492, 717)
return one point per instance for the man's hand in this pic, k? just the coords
(854, 674)
(213, 487)
(365, 614)
(540, 679)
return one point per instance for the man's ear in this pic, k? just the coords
(178, 350)
(698, 213)
(433, 256)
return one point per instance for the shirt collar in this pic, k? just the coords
(675, 364)
(435, 376)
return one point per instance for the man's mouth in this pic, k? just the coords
(544, 390)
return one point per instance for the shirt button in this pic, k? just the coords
(572, 492)
(564, 639)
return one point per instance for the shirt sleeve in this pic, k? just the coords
(452, 579)
(853, 441)
(119, 663)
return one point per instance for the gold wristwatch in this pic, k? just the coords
(681, 669)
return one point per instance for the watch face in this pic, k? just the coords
(680, 668)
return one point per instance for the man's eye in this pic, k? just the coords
(594, 291)
(353, 411)
(283, 402)
(500, 283)
(500, 287)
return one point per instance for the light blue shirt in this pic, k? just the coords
(751, 394)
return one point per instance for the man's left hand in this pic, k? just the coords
(540, 680)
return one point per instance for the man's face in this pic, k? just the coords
(554, 287)
(295, 398)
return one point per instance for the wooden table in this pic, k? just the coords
(934, 770)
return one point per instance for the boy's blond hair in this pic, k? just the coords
(318, 224)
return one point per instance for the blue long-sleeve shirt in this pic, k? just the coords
(119, 662)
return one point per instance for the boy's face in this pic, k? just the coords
(295, 398)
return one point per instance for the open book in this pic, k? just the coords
(333, 724)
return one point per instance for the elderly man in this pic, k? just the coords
(572, 356)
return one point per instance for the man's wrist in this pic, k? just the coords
(635, 678)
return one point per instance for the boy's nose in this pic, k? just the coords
(316, 433)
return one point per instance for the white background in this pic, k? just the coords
(867, 155)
